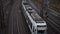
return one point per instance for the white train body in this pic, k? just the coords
(36, 24)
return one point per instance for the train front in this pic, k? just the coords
(41, 28)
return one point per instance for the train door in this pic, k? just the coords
(34, 30)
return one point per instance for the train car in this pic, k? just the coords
(36, 24)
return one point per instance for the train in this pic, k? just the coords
(35, 23)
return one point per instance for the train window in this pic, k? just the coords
(25, 3)
(41, 26)
(38, 26)
(55, 5)
(39, 22)
(33, 28)
(30, 24)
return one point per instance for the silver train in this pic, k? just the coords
(36, 24)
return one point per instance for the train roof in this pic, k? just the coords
(30, 9)
(37, 18)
